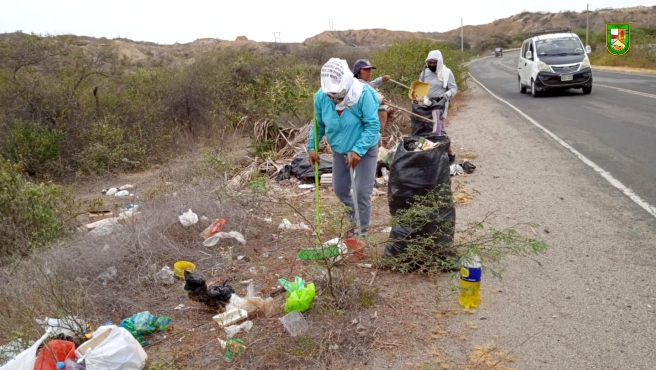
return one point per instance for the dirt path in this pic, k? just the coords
(592, 303)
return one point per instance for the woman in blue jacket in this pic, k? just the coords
(346, 111)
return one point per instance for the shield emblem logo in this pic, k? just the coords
(618, 38)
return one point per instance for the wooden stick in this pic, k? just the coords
(407, 111)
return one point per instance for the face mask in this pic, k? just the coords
(432, 68)
(336, 97)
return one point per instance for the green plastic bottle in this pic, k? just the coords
(470, 283)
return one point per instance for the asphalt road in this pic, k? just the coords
(614, 126)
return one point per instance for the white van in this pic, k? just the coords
(554, 59)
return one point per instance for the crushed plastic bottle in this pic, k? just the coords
(470, 282)
(385, 174)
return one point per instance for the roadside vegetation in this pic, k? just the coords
(70, 116)
(642, 53)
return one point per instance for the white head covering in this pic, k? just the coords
(337, 77)
(441, 70)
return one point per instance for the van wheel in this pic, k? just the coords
(587, 90)
(534, 92)
(522, 88)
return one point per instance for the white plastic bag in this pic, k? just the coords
(68, 326)
(188, 218)
(111, 191)
(26, 359)
(122, 193)
(212, 240)
(112, 347)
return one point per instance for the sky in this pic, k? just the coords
(168, 22)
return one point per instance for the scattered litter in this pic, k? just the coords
(301, 168)
(355, 321)
(355, 248)
(144, 323)
(239, 258)
(387, 230)
(188, 218)
(294, 323)
(112, 347)
(214, 228)
(68, 326)
(122, 193)
(110, 191)
(233, 330)
(231, 316)
(126, 186)
(468, 167)
(100, 215)
(281, 257)
(214, 297)
(287, 225)
(103, 228)
(365, 265)
(212, 240)
(252, 304)
(181, 266)
(326, 179)
(268, 219)
(333, 347)
(375, 315)
(204, 218)
(456, 170)
(306, 186)
(246, 282)
(109, 274)
(330, 249)
(233, 348)
(54, 352)
(165, 276)
(299, 296)
(25, 360)
(179, 307)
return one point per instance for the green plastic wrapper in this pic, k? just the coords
(234, 347)
(144, 323)
(299, 295)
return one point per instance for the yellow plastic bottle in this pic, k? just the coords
(470, 283)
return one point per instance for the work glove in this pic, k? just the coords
(446, 95)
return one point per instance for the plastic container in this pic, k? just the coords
(470, 283)
(181, 266)
(294, 323)
(231, 316)
(355, 248)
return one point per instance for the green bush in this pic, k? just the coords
(31, 215)
(404, 62)
(38, 149)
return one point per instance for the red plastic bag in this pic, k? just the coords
(53, 352)
(214, 228)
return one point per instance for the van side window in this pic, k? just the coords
(524, 50)
(530, 48)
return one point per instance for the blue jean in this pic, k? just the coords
(365, 176)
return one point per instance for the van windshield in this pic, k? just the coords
(559, 46)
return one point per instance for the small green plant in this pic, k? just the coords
(259, 184)
(367, 296)
(37, 148)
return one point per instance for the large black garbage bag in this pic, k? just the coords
(301, 168)
(422, 127)
(422, 174)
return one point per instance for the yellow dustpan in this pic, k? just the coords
(419, 89)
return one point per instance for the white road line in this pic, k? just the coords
(605, 174)
(628, 91)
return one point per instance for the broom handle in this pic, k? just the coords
(407, 111)
(400, 84)
(316, 182)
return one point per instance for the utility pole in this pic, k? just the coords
(462, 39)
(587, 20)
(276, 37)
(330, 25)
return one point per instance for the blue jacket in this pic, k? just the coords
(356, 130)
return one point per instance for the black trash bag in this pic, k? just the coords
(221, 292)
(214, 297)
(468, 167)
(285, 173)
(422, 127)
(193, 281)
(301, 168)
(419, 174)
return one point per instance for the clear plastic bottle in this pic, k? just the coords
(470, 283)
(385, 175)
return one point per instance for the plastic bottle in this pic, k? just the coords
(385, 175)
(470, 283)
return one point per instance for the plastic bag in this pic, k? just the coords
(214, 228)
(188, 218)
(53, 352)
(212, 240)
(233, 330)
(145, 323)
(422, 127)
(70, 326)
(26, 359)
(112, 347)
(233, 348)
(299, 296)
(252, 304)
(302, 169)
(421, 173)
